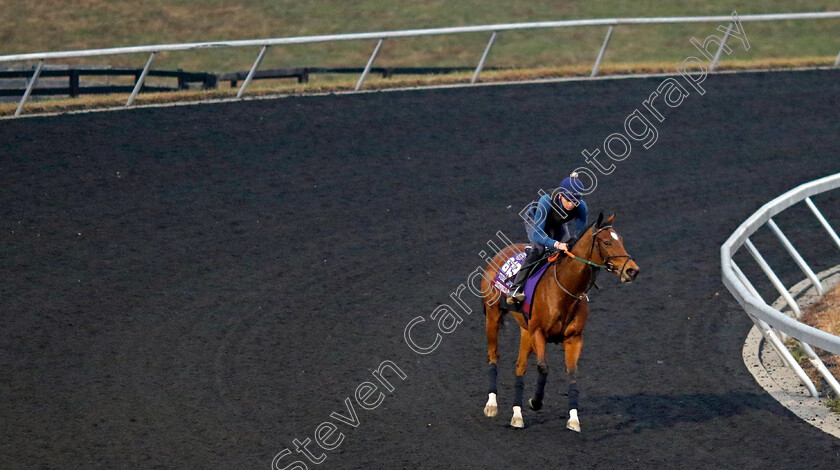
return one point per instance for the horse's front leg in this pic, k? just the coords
(538, 343)
(519, 386)
(573, 345)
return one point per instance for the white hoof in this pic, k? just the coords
(574, 422)
(517, 420)
(491, 409)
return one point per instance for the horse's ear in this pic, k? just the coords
(610, 220)
(598, 223)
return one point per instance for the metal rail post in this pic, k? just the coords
(822, 220)
(796, 256)
(773, 278)
(252, 72)
(818, 364)
(483, 57)
(837, 60)
(29, 87)
(417, 33)
(140, 80)
(774, 339)
(602, 51)
(785, 354)
(743, 278)
(716, 60)
(383, 35)
(369, 64)
(770, 335)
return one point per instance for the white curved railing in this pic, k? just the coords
(381, 36)
(766, 318)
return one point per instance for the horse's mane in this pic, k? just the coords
(592, 224)
(580, 235)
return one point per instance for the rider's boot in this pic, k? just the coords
(517, 290)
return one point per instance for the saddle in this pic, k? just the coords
(507, 273)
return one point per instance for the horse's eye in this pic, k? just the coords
(607, 243)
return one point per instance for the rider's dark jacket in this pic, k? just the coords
(549, 222)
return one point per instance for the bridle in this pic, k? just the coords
(609, 266)
(595, 267)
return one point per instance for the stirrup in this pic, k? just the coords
(517, 295)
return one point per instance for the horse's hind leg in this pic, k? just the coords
(521, 366)
(493, 316)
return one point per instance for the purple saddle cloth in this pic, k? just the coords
(507, 273)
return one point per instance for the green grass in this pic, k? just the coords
(51, 25)
(797, 353)
(834, 405)
(327, 83)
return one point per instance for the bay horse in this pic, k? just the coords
(559, 311)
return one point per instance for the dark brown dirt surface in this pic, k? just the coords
(198, 286)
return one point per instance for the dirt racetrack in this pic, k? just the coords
(198, 286)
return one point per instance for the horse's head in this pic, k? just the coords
(609, 247)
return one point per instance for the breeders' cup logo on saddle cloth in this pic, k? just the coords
(504, 278)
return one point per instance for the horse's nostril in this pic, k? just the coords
(632, 272)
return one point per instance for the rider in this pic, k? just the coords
(548, 227)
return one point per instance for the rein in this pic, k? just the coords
(578, 297)
(584, 260)
(595, 266)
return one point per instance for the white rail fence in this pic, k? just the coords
(774, 324)
(381, 36)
